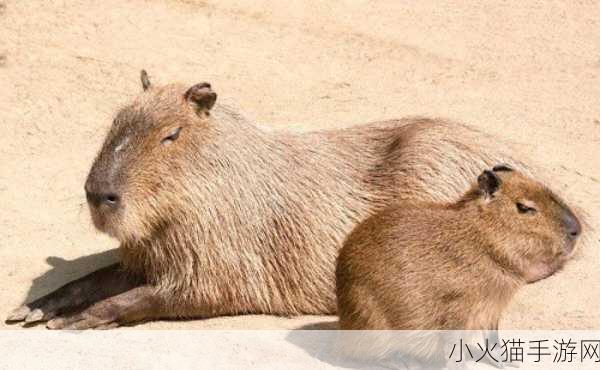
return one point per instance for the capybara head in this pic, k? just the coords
(534, 228)
(140, 175)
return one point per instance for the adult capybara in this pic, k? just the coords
(217, 216)
(455, 266)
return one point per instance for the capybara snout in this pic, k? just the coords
(101, 192)
(572, 227)
(104, 190)
(571, 224)
(107, 199)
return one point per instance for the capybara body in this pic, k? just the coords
(232, 219)
(453, 266)
(218, 216)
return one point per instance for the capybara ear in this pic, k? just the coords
(145, 80)
(502, 168)
(202, 96)
(489, 183)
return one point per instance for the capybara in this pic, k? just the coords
(452, 266)
(218, 216)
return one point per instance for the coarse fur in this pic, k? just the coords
(232, 219)
(454, 266)
(218, 216)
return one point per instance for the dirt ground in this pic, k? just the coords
(528, 72)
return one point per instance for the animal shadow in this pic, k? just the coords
(324, 342)
(64, 271)
(319, 341)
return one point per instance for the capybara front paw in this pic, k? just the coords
(87, 319)
(135, 305)
(42, 309)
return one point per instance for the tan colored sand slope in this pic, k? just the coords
(526, 71)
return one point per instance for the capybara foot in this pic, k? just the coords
(138, 304)
(100, 284)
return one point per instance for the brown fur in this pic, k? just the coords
(427, 266)
(423, 268)
(230, 218)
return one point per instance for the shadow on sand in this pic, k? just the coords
(326, 343)
(319, 341)
(63, 271)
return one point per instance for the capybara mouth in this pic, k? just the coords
(569, 248)
(104, 222)
(544, 270)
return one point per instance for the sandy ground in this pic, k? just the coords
(528, 72)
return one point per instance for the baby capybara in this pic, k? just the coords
(455, 266)
(218, 216)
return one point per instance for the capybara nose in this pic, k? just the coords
(101, 193)
(572, 225)
(111, 200)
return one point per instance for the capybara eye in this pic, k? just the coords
(173, 135)
(525, 209)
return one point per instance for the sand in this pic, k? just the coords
(528, 72)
